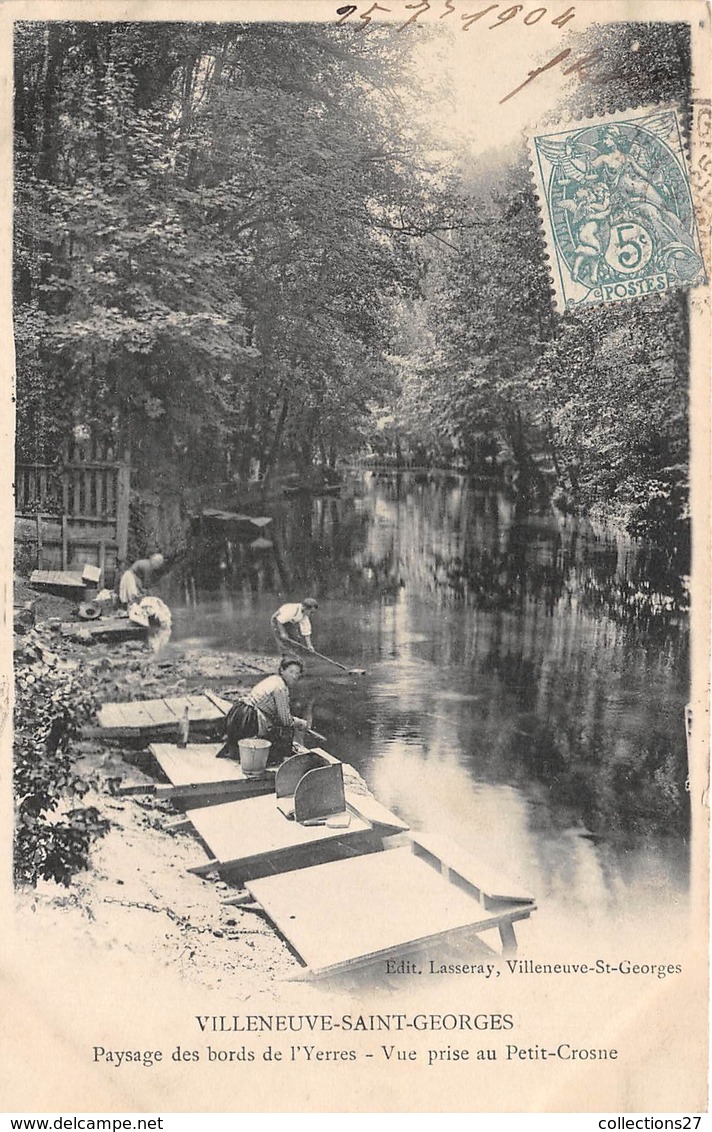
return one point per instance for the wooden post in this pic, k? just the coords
(65, 542)
(100, 476)
(39, 541)
(76, 498)
(102, 561)
(123, 492)
(508, 938)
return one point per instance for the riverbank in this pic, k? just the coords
(136, 900)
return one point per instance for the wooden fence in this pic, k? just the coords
(76, 510)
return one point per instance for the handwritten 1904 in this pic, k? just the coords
(446, 8)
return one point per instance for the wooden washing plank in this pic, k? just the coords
(137, 716)
(120, 630)
(200, 708)
(195, 772)
(238, 833)
(61, 578)
(372, 811)
(213, 793)
(494, 886)
(129, 716)
(157, 712)
(127, 789)
(320, 751)
(140, 716)
(106, 629)
(197, 765)
(220, 702)
(171, 713)
(161, 715)
(110, 716)
(176, 704)
(124, 713)
(353, 911)
(115, 715)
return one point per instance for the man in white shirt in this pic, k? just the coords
(291, 623)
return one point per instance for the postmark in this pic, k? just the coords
(617, 208)
(701, 170)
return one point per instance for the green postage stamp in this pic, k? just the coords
(617, 208)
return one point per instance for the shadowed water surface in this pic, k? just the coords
(525, 686)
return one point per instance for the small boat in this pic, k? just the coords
(316, 485)
(245, 525)
(297, 489)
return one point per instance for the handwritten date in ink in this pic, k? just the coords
(501, 14)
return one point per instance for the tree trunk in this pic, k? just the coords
(306, 446)
(522, 458)
(46, 167)
(276, 442)
(246, 446)
(98, 66)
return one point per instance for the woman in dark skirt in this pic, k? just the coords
(265, 712)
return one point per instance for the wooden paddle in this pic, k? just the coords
(313, 652)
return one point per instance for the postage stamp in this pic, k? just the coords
(617, 208)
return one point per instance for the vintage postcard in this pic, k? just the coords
(356, 489)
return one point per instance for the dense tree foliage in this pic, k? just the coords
(210, 226)
(589, 407)
(229, 247)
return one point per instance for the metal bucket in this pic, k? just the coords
(253, 756)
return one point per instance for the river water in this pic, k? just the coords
(524, 690)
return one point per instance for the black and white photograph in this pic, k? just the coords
(356, 401)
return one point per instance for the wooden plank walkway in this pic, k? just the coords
(153, 718)
(195, 771)
(492, 886)
(106, 629)
(253, 836)
(56, 580)
(348, 913)
(368, 808)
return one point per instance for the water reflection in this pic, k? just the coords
(526, 677)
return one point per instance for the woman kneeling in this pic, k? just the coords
(265, 712)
